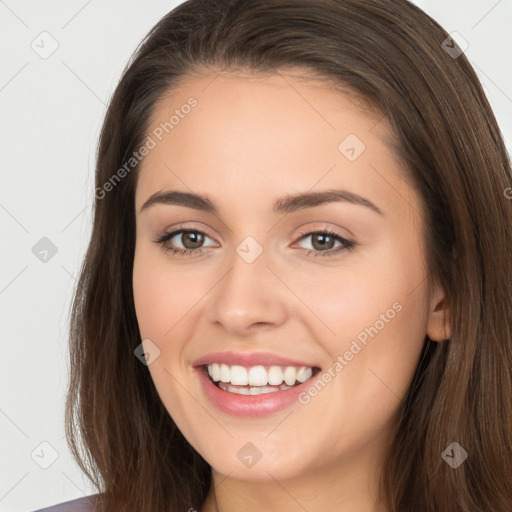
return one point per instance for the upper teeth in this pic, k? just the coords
(259, 375)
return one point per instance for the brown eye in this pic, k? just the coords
(323, 243)
(192, 239)
(184, 241)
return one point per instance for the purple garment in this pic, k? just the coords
(85, 504)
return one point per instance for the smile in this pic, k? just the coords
(253, 384)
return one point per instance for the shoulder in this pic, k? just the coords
(85, 504)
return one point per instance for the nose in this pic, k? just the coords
(248, 298)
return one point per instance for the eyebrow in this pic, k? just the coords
(286, 204)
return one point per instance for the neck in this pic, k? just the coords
(344, 488)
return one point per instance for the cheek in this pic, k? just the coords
(151, 304)
(161, 298)
(346, 304)
(374, 317)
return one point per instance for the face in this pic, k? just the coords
(264, 288)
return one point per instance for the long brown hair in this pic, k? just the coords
(395, 57)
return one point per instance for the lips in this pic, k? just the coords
(252, 384)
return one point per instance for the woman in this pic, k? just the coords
(297, 290)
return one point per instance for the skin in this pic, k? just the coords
(251, 140)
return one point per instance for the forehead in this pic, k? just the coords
(259, 135)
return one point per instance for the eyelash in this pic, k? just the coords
(348, 245)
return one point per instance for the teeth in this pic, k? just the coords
(259, 376)
(289, 375)
(275, 375)
(225, 373)
(214, 371)
(304, 373)
(239, 376)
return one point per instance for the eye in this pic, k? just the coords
(190, 239)
(323, 243)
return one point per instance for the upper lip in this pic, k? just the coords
(249, 359)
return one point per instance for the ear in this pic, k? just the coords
(438, 324)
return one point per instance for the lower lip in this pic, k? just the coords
(249, 405)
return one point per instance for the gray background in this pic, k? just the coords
(51, 113)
